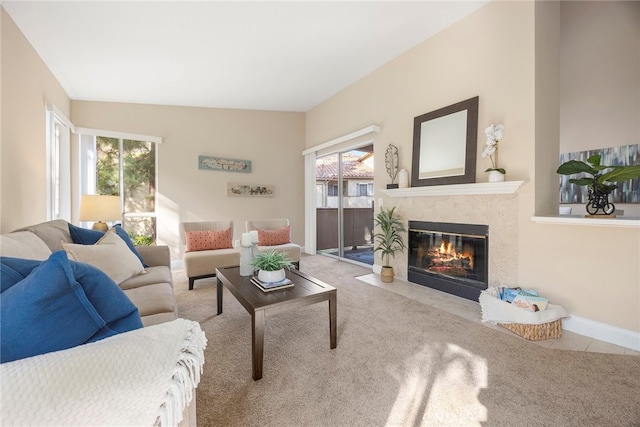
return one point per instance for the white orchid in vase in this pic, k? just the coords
(494, 135)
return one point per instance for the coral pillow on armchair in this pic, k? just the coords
(274, 237)
(204, 240)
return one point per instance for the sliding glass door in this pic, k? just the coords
(344, 204)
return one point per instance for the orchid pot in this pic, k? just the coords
(496, 176)
(494, 135)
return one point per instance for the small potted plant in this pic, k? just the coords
(271, 265)
(599, 179)
(388, 239)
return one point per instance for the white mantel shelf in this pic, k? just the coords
(506, 187)
(591, 222)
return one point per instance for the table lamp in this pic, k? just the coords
(100, 208)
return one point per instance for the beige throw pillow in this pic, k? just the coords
(110, 254)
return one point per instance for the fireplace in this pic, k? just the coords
(452, 258)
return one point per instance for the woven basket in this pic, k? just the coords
(536, 332)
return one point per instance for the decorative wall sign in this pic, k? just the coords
(220, 164)
(249, 190)
(627, 192)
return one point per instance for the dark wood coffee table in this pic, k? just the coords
(306, 291)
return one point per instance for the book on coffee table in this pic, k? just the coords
(272, 286)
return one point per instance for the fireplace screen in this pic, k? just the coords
(449, 257)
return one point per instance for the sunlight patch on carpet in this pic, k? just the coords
(439, 385)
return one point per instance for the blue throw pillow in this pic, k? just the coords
(47, 311)
(117, 310)
(14, 270)
(85, 236)
(59, 305)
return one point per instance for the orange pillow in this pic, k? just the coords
(204, 240)
(274, 237)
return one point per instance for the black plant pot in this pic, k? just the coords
(390, 186)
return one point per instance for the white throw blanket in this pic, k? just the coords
(144, 377)
(494, 310)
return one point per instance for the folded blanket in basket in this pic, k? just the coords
(495, 310)
(144, 377)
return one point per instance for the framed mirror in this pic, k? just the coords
(445, 145)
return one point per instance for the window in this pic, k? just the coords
(58, 165)
(365, 189)
(332, 189)
(124, 167)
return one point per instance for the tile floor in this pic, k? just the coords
(471, 310)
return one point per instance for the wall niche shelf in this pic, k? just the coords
(506, 187)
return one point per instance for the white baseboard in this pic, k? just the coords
(602, 332)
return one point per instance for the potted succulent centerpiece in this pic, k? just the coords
(599, 178)
(271, 265)
(388, 239)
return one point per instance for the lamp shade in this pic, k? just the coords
(100, 208)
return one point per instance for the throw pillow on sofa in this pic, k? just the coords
(85, 236)
(13, 270)
(51, 309)
(111, 302)
(110, 254)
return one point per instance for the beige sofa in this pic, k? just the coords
(114, 360)
(152, 292)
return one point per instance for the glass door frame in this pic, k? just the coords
(341, 204)
(365, 136)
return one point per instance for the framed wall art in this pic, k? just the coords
(220, 164)
(249, 190)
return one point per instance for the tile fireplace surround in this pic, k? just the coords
(493, 204)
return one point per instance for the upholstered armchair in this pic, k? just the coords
(208, 245)
(275, 234)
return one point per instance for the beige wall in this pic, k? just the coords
(600, 48)
(491, 53)
(575, 264)
(454, 65)
(273, 141)
(593, 271)
(26, 84)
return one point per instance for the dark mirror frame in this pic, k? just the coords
(469, 176)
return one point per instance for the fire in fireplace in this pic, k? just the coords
(449, 257)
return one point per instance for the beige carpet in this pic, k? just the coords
(398, 363)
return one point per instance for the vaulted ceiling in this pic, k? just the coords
(264, 55)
